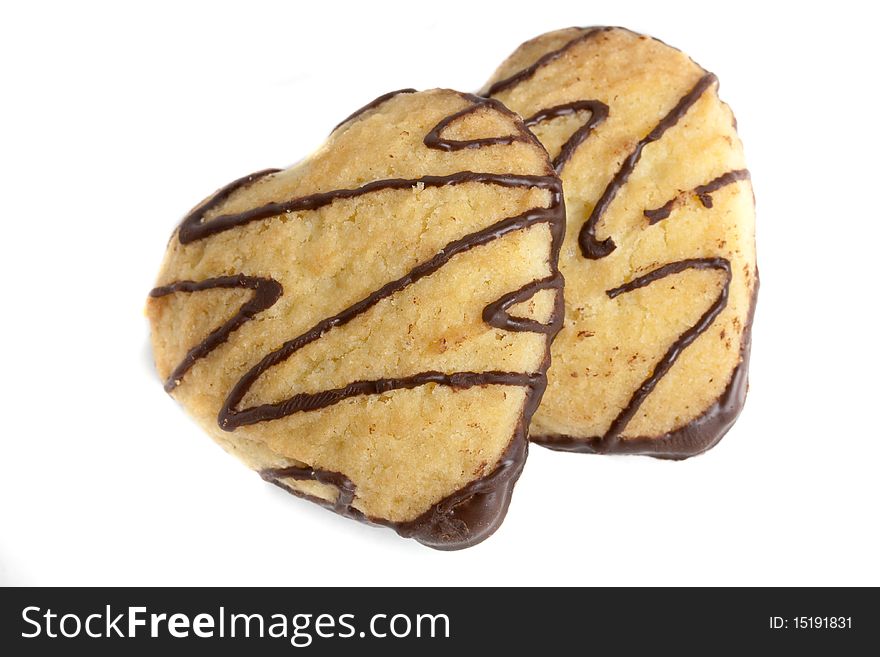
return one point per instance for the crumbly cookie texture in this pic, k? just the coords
(370, 328)
(659, 255)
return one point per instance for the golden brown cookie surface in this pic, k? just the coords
(370, 328)
(659, 256)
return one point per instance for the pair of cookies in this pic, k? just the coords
(371, 329)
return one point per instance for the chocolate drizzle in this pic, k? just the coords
(471, 514)
(703, 193)
(496, 313)
(190, 228)
(373, 104)
(231, 419)
(194, 227)
(343, 484)
(598, 113)
(434, 139)
(266, 293)
(549, 57)
(591, 247)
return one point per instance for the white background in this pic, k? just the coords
(116, 120)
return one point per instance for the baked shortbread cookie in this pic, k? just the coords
(370, 328)
(659, 255)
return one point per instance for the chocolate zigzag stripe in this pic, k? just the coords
(598, 113)
(266, 292)
(195, 228)
(549, 57)
(230, 417)
(593, 249)
(373, 104)
(703, 193)
(496, 313)
(189, 228)
(304, 402)
(434, 139)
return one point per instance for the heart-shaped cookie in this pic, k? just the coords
(659, 255)
(370, 328)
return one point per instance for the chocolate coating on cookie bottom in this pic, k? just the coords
(461, 520)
